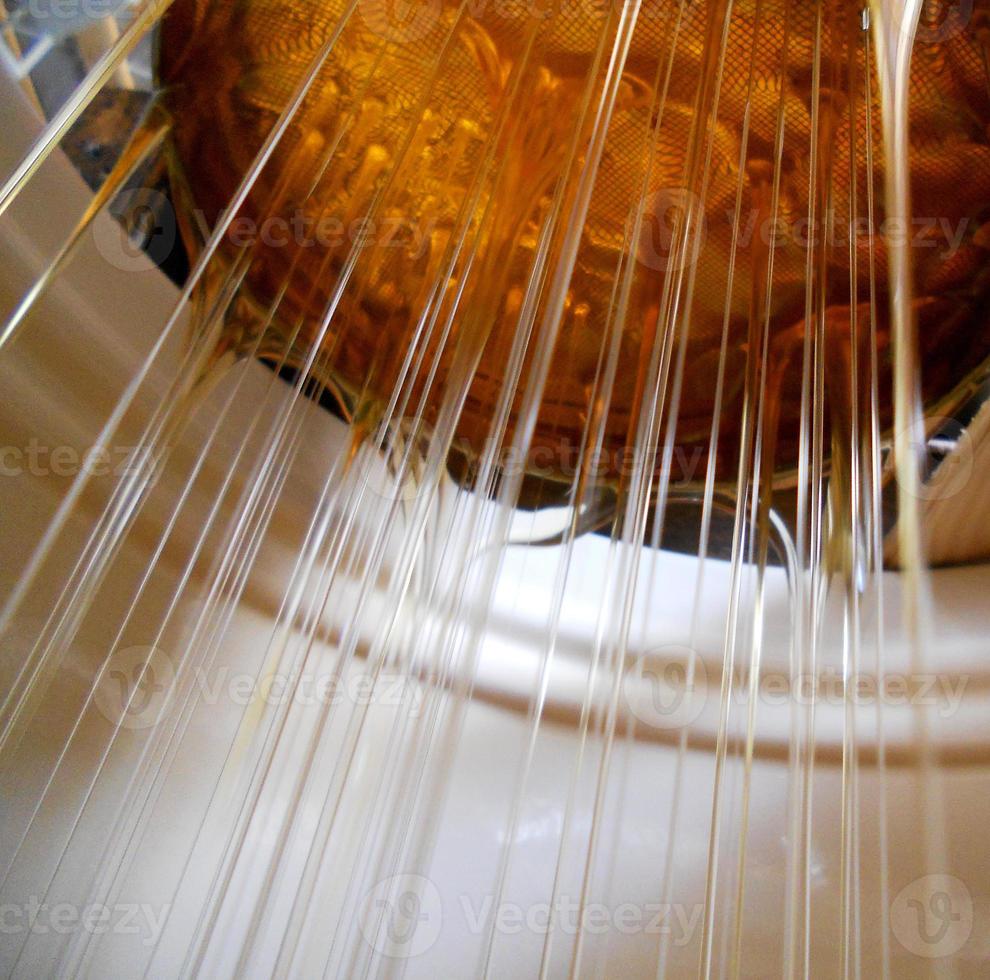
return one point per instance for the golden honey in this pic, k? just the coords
(416, 219)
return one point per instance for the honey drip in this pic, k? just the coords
(431, 164)
(608, 256)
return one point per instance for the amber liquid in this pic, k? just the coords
(418, 217)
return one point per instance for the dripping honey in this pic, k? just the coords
(421, 200)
